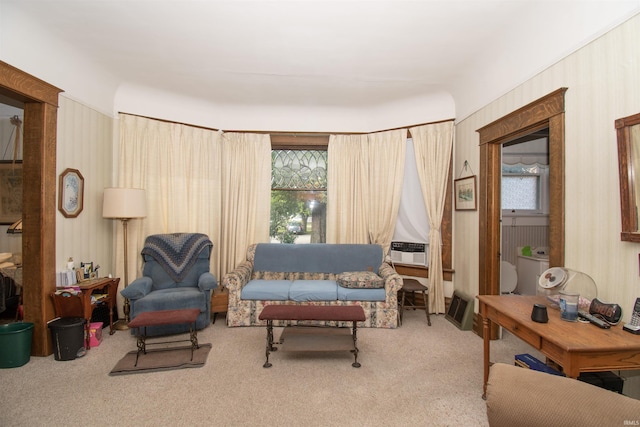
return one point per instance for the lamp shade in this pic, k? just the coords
(124, 203)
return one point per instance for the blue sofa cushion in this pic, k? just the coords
(313, 290)
(266, 290)
(352, 294)
(317, 257)
(172, 299)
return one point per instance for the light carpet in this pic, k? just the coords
(164, 359)
(413, 375)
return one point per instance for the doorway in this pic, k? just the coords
(40, 103)
(546, 112)
(524, 251)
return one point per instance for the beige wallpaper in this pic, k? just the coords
(603, 85)
(85, 141)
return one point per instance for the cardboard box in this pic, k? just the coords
(530, 362)
(95, 334)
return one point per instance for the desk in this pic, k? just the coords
(576, 346)
(80, 305)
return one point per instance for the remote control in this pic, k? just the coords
(599, 323)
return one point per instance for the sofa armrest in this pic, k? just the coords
(524, 397)
(207, 281)
(138, 288)
(240, 276)
(392, 280)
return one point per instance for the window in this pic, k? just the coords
(298, 196)
(524, 188)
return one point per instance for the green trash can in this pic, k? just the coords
(15, 344)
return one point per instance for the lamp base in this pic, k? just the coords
(121, 325)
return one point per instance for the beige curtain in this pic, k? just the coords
(386, 155)
(433, 144)
(246, 198)
(364, 185)
(179, 166)
(346, 174)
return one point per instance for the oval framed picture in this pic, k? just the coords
(71, 193)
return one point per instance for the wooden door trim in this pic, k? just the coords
(547, 111)
(40, 101)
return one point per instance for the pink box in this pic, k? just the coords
(95, 334)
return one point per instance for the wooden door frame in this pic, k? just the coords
(546, 112)
(40, 103)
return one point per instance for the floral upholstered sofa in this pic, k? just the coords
(314, 274)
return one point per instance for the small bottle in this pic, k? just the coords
(70, 264)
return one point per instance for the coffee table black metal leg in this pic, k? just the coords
(355, 350)
(142, 346)
(193, 336)
(270, 346)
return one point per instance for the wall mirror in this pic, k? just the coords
(628, 132)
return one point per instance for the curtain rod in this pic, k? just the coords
(289, 133)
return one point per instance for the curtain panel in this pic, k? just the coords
(364, 185)
(179, 167)
(196, 180)
(433, 145)
(246, 198)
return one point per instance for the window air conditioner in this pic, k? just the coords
(410, 253)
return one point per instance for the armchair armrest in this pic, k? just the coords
(207, 282)
(138, 288)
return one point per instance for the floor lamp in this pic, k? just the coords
(124, 204)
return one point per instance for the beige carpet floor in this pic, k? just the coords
(413, 375)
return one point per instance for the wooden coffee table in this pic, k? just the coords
(165, 317)
(313, 338)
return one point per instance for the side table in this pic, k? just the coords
(219, 301)
(80, 305)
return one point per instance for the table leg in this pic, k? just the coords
(486, 334)
(193, 336)
(142, 346)
(270, 346)
(355, 350)
(425, 297)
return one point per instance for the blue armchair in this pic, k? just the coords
(175, 276)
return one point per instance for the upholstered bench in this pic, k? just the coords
(329, 339)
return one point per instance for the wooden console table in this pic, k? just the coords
(576, 346)
(80, 305)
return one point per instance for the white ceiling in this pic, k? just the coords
(331, 53)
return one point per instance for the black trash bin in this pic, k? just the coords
(67, 336)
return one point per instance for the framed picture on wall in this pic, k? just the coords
(465, 194)
(71, 193)
(10, 191)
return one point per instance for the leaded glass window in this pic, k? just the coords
(298, 170)
(298, 196)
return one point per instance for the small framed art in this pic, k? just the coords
(71, 193)
(465, 194)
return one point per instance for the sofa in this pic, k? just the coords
(316, 274)
(523, 397)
